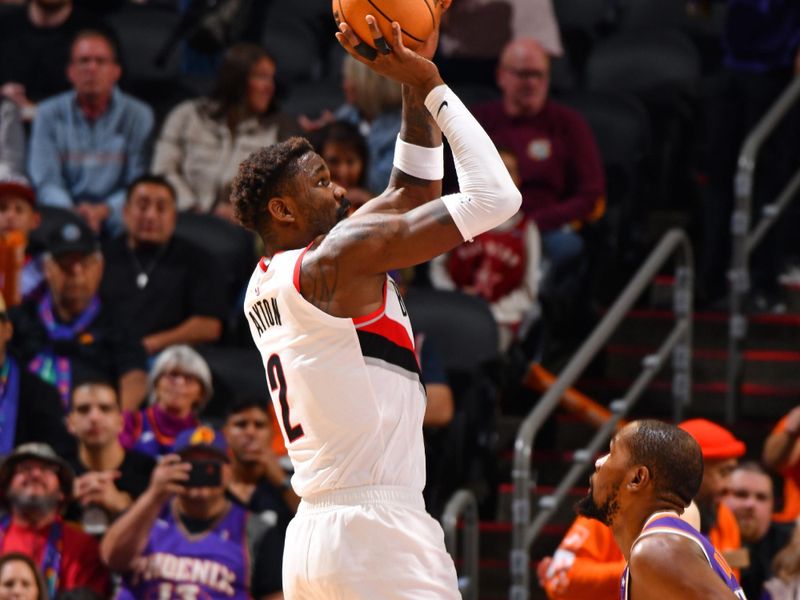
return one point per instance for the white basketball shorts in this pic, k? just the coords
(367, 543)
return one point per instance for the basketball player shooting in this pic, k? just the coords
(640, 489)
(335, 336)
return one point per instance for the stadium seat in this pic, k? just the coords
(621, 127)
(233, 249)
(461, 454)
(662, 68)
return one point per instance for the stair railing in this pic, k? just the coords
(678, 343)
(744, 240)
(463, 505)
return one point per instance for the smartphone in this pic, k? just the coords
(205, 473)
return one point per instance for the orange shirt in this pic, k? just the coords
(597, 563)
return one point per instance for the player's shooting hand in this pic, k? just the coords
(169, 476)
(428, 48)
(393, 60)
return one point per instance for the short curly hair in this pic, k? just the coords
(262, 175)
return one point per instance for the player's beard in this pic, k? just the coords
(587, 507)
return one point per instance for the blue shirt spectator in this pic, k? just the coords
(88, 144)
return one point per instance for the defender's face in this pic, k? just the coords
(602, 502)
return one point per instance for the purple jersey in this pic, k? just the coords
(667, 523)
(177, 565)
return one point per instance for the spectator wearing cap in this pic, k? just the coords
(18, 215)
(108, 477)
(88, 145)
(35, 486)
(30, 408)
(184, 538)
(69, 335)
(168, 288)
(12, 140)
(179, 387)
(588, 563)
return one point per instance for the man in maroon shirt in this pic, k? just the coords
(35, 485)
(563, 183)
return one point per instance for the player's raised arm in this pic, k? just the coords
(377, 242)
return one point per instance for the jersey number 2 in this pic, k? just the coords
(277, 380)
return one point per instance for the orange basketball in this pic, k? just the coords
(416, 17)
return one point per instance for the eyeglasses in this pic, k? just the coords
(537, 74)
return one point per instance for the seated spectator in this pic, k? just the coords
(204, 140)
(88, 144)
(562, 177)
(179, 387)
(344, 150)
(35, 486)
(588, 563)
(782, 452)
(108, 478)
(35, 45)
(372, 103)
(750, 497)
(501, 266)
(258, 481)
(20, 579)
(31, 410)
(18, 214)
(12, 140)
(167, 288)
(184, 534)
(70, 335)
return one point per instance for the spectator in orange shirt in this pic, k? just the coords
(588, 563)
(782, 454)
(35, 486)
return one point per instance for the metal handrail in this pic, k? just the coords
(678, 342)
(744, 241)
(463, 504)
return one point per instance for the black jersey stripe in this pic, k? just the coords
(377, 346)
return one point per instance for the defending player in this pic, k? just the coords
(639, 489)
(336, 340)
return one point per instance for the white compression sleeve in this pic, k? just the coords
(488, 196)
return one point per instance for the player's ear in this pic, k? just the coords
(281, 209)
(639, 477)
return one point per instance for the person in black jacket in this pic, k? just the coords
(30, 410)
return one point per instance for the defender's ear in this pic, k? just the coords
(639, 478)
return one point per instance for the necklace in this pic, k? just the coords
(143, 275)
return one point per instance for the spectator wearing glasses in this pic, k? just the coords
(561, 172)
(35, 487)
(69, 335)
(87, 145)
(179, 388)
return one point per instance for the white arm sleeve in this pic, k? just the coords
(488, 196)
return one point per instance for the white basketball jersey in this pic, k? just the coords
(347, 392)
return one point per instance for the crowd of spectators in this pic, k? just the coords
(117, 476)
